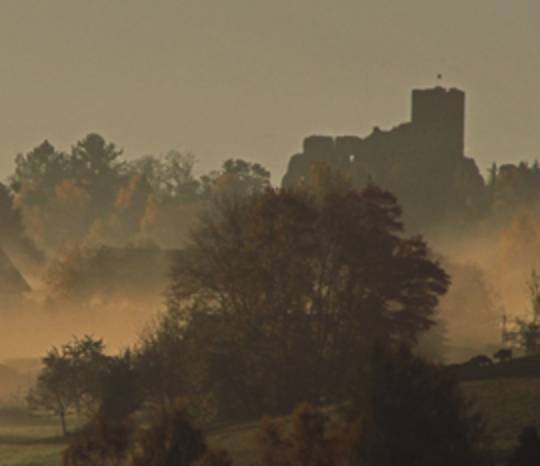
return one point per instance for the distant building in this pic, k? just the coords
(12, 284)
(111, 273)
(422, 161)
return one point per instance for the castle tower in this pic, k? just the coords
(440, 114)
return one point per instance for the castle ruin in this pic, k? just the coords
(422, 161)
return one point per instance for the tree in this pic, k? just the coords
(38, 172)
(123, 222)
(53, 390)
(409, 412)
(169, 223)
(120, 393)
(70, 379)
(88, 368)
(62, 195)
(96, 166)
(281, 294)
(173, 207)
(170, 175)
(160, 362)
(526, 332)
(237, 178)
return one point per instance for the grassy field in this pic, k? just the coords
(28, 440)
(507, 404)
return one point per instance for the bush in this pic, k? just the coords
(527, 453)
(171, 440)
(309, 443)
(412, 413)
(402, 412)
(99, 444)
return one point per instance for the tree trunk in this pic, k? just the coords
(63, 422)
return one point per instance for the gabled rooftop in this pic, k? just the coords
(11, 280)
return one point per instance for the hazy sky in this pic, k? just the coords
(250, 78)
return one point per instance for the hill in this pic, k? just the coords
(507, 404)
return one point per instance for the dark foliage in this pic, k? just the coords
(410, 412)
(120, 390)
(101, 443)
(70, 379)
(309, 443)
(171, 440)
(403, 412)
(527, 453)
(280, 294)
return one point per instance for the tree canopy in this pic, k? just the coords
(279, 292)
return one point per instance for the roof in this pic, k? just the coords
(11, 280)
(125, 270)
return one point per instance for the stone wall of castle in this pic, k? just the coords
(422, 161)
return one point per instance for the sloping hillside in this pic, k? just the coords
(507, 405)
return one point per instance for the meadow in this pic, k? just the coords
(507, 405)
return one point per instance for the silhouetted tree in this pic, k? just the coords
(237, 178)
(503, 355)
(38, 172)
(70, 379)
(161, 362)
(280, 294)
(53, 390)
(120, 391)
(96, 166)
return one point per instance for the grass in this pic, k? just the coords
(27, 440)
(240, 441)
(507, 405)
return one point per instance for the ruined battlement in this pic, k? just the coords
(440, 110)
(421, 160)
(437, 114)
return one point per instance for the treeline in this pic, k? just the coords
(401, 411)
(93, 195)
